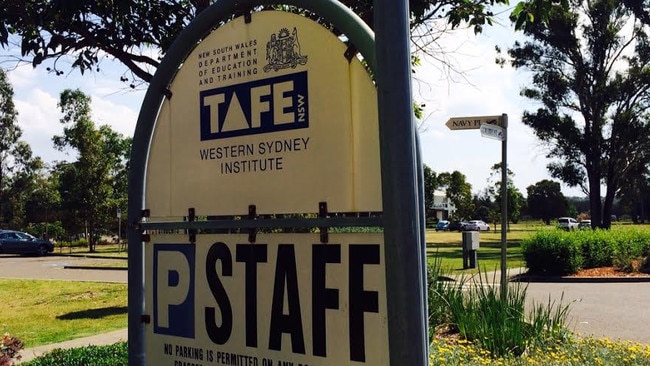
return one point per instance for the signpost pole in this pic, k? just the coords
(504, 209)
(403, 250)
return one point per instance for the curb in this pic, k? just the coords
(569, 279)
(86, 256)
(97, 267)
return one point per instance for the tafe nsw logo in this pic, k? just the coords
(173, 289)
(276, 104)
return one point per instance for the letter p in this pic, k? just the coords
(173, 289)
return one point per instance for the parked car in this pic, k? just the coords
(442, 225)
(477, 225)
(456, 226)
(567, 223)
(584, 224)
(18, 242)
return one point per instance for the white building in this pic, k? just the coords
(442, 208)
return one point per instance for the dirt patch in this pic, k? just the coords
(608, 272)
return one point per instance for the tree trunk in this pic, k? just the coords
(91, 236)
(595, 204)
(607, 207)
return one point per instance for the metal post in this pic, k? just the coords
(504, 210)
(403, 250)
(119, 229)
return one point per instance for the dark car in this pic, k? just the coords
(457, 226)
(18, 242)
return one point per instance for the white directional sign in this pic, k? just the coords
(493, 132)
(473, 123)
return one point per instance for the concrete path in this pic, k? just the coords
(96, 340)
(615, 308)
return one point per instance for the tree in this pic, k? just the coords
(17, 165)
(87, 186)
(515, 198)
(546, 201)
(430, 185)
(22, 184)
(635, 194)
(589, 61)
(9, 136)
(484, 207)
(131, 31)
(459, 192)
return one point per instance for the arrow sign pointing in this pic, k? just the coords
(473, 123)
(493, 132)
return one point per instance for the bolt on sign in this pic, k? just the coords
(268, 113)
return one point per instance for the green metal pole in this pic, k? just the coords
(504, 209)
(399, 178)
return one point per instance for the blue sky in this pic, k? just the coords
(484, 89)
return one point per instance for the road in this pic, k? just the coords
(53, 267)
(617, 310)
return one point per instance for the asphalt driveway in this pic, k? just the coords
(617, 310)
(54, 267)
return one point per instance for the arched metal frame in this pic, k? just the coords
(359, 34)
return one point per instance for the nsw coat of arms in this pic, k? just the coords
(283, 51)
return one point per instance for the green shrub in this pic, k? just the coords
(597, 247)
(552, 253)
(629, 246)
(438, 294)
(78, 243)
(561, 253)
(500, 325)
(111, 355)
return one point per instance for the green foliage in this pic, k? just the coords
(585, 124)
(51, 230)
(438, 294)
(130, 31)
(476, 309)
(78, 243)
(560, 253)
(459, 192)
(573, 351)
(597, 247)
(629, 247)
(552, 253)
(546, 201)
(91, 187)
(18, 168)
(111, 355)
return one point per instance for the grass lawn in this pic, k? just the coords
(448, 247)
(41, 312)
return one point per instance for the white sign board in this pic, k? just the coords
(285, 300)
(493, 132)
(473, 123)
(267, 113)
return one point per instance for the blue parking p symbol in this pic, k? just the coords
(173, 289)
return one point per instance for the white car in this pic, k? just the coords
(567, 223)
(476, 225)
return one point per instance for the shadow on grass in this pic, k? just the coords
(94, 313)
